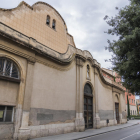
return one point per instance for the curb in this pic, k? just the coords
(103, 132)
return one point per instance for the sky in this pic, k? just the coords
(84, 19)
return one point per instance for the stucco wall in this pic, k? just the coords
(6, 131)
(53, 95)
(8, 92)
(105, 101)
(123, 106)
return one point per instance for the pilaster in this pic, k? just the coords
(97, 118)
(24, 129)
(120, 108)
(79, 121)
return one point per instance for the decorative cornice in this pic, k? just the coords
(79, 61)
(63, 59)
(115, 89)
(113, 84)
(107, 73)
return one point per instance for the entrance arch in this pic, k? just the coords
(88, 106)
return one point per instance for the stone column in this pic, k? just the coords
(97, 118)
(18, 113)
(79, 121)
(24, 132)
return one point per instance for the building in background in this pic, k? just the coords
(47, 85)
(132, 102)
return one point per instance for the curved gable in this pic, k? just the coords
(31, 21)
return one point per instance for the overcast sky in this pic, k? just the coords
(84, 19)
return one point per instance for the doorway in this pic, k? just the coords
(88, 106)
(117, 112)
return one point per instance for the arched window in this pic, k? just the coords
(53, 24)
(48, 20)
(87, 89)
(8, 68)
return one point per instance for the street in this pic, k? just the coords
(130, 133)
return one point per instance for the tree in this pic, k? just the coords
(126, 49)
(128, 108)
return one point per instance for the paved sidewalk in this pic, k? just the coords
(89, 132)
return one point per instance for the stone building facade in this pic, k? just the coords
(47, 85)
(112, 75)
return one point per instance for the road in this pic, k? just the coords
(130, 133)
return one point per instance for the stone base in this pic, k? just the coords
(97, 123)
(44, 130)
(24, 134)
(123, 121)
(51, 129)
(103, 123)
(79, 124)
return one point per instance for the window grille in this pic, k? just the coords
(6, 113)
(8, 68)
(87, 89)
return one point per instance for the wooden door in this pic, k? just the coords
(88, 112)
(117, 112)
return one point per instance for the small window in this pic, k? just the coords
(88, 71)
(53, 24)
(48, 20)
(132, 100)
(129, 100)
(6, 113)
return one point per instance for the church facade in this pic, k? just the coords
(47, 85)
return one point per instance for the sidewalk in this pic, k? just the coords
(89, 132)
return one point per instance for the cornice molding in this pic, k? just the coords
(31, 43)
(120, 89)
(60, 58)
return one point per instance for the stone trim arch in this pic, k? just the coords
(20, 96)
(19, 64)
(88, 82)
